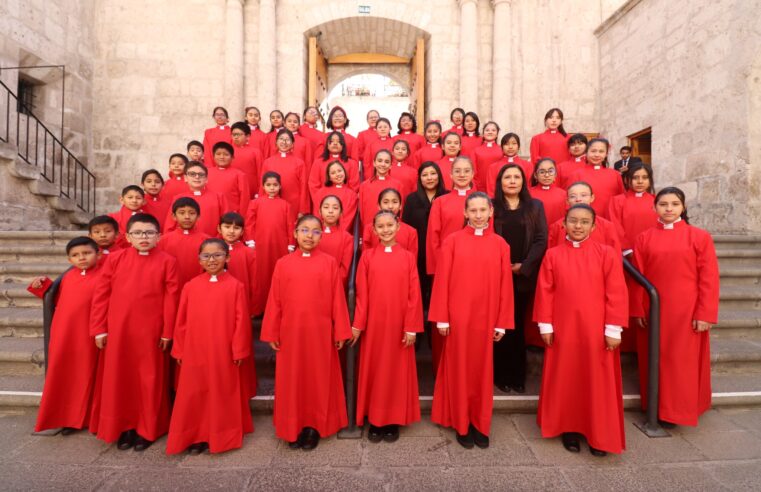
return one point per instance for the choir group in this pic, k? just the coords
(152, 330)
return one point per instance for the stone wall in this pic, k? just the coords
(692, 72)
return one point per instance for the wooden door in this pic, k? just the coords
(317, 78)
(417, 85)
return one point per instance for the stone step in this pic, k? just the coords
(15, 238)
(32, 253)
(20, 323)
(737, 241)
(740, 297)
(25, 272)
(16, 295)
(737, 324)
(736, 276)
(738, 356)
(732, 257)
(21, 356)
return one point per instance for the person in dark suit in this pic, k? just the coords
(622, 165)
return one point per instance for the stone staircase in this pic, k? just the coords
(735, 350)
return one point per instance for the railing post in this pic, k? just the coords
(650, 427)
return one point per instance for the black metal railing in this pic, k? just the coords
(650, 427)
(38, 147)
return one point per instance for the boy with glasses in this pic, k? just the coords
(213, 205)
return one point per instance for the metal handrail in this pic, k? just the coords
(40, 148)
(48, 310)
(650, 427)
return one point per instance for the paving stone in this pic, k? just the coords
(526, 425)
(407, 451)
(319, 479)
(711, 421)
(734, 445)
(80, 448)
(625, 478)
(478, 479)
(424, 428)
(330, 452)
(180, 479)
(257, 451)
(737, 476)
(54, 476)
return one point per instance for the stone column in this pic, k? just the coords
(501, 61)
(469, 55)
(233, 95)
(266, 71)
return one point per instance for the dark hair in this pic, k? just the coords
(344, 152)
(381, 213)
(381, 151)
(233, 218)
(192, 164)
(466, 159)
(506, 138)
(298, 117)
(143, 218)
(186, 201)
(103, 220)
(148, 173)
(474, 195)
(495, 125)
(285, 130)
(673, 190)
(582, 206)
(182, 157)
(389, 190)
(372, 111)
(629, 175)
(457, 110)
(308, 108)
(383, 119)
(529, 211)
(223, 145)
(242, 126)
(406, 145)
(81, 241)
(607, 148)
(459, 139)
(410, 116)
(328, 182)
(271, 174)
(129, 188)
(475, 117)
(332, 112)
(577, 138)
(306, 217)
(223, 110)
(214, 240)
(535, 181)
(340, 203)
(192, 143)
(580, 183)
(272, 129)
(625, 147)
(433, 123)
(440, 190)
(249, 108)
(548, 115)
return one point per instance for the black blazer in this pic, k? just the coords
(417, 208)
(534, 247)
(632, 160)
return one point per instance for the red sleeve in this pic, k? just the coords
(181, 325)
(315, 180)
(348, 255)
(413, 315)
(100, 300)
(352, 171)
(360, 308)
(639, 304)
(169, 223)
(553, 238)
(616, 294)
(432, 240)
(544, 299)
(273, 313)
(304, 193)
(251, 258)
(290, 222)
(224, 207)
(615, 211)
(534, 149)
(707, 307)
(506, 315)
(40, 291)
(412, 243)
(241, 342)
(341, 324)
(251, 220)
(171, 293)
(245, 193)
(439, 308)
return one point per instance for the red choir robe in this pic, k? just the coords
(158, 206)
(681, 263)
(270, 224)
(213, 329)
(104, 253)
(605, 182)
(430, 152)
(72, 355)
(269, 143)
(293, 179)
(605, 232)
(458, 129)
(406, 237)
(173, 186)
(242, 266)
(368, 195)
(554, 200)
(552, 144)
(445, 165)
(364, 139)
(122, 217)
(351, 148)
(302, 148)
(414, 140)
(339, 244)
(348, 199)
(184, 246)
(248, 159)
(389, 304)
(213, 135)
(446, 217)
(483, 157)
(257, 139)
(406, 174)
(318, 174)
(314, 136)
(373, 148)
(470, 142)
(213, 206)
(473, 293)
(496, 166)
(135, 303)
(567, 168)
(581, 380)
(306, 313)
(232, 184)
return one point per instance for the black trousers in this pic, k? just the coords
(510, 352)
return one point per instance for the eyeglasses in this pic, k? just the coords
(545, 172)
(195, 175)
(284, 139)
(140, 234)
(238, 134)
(209, 256)
(306, 230)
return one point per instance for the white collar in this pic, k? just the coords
(490, 144)
(253, 127)
(434, 145)
(133, 212)
(327, 229)
(511, 159)
(399, 164)
(470, 134)
(105, 251)
(597, 168)
(178, 178)
(553, 131)
(230, 247)
(213, 278)
(669, 227)
(221, 127)
(640, 195)
(197, 193)
(338, 186)
(576, 244)
(282, 154)
(305, 254)
(387, 249)
(577, 159)
(462, 192)
(143, 253)
(477, 231)
(335, 156)
(382, 178)
(186, 232)
(83, 272)
(546, 187)
(155, 198)
(451, 159)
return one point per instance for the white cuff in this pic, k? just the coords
(291, 248)
(97, 337)
(500, 330)
(613, 331)
(411, 333)
(442, 325)
(545, 328)
(627, 252)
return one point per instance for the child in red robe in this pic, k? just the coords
(486, 154)
(472, 306)
(456, 117)
(196, 152)
(401, 168)
(213, 205)
(220, 132)
(338, 122)
(72, 357)
(604, 232)
(212, 341)
(335, 150)
(367, 137)
(155, 201)
(257, 137)
(383, 141)
(390, 200)
(581, 328)
(390, 311)
(552, 142)
(269, 221)
(306, 323)
(175, 183)
(471, 136)
(544, 188)
(336, 240)
(510, 145)
(132, 199)
(335, 184)
(292, 171)
(242, 261)
(248, 157)
(277, 120)
(302, 147)
(371, 188)
(132, 319)
(431, 151)
(680, 261)
(104, 230)
(606, 182)
(183, 242)
(577, 148)
(452, 145)
(407, 131)
(228, 181)
(309, 129)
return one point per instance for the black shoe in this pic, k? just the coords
(503, 388)
(479, 439)
(295, 444)
(391, 433)
(67, 431)
(466, 441)
(571, 442)
(311, 439)
(126, 440)
(375, 434)
(198, 448)
(518, 388)
(141, 444)
(666, 425)
(597, 452)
